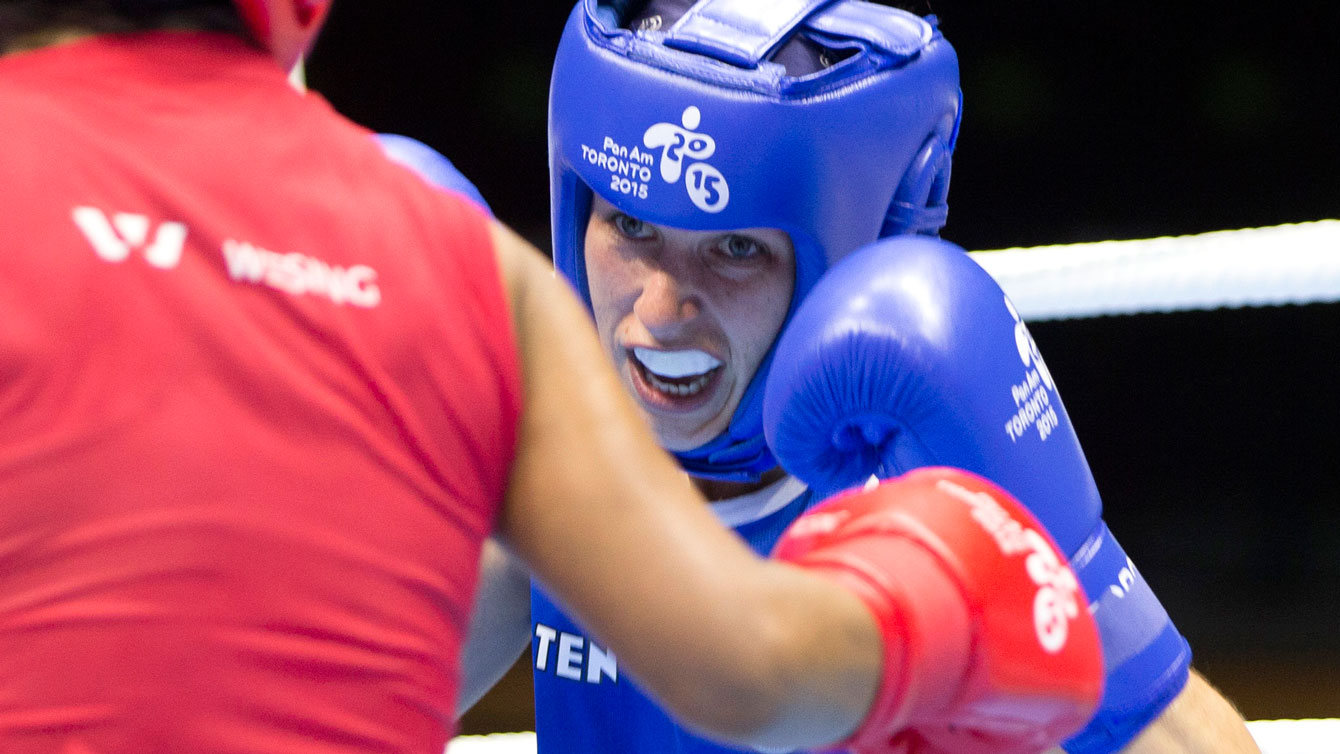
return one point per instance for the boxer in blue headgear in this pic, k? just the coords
(710, 163)
(735, 167)
(830, 121)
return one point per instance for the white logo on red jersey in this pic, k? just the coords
(299, 274)
(114, 238)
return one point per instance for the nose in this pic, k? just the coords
(668, 303)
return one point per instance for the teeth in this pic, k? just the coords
(676, 365)
(684, 390)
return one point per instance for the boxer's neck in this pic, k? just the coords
(716, 489)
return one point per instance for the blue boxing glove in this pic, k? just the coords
(430, 165)
(907, 354)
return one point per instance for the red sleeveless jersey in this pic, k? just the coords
(258, 401)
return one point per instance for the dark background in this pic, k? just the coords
(1212, 434)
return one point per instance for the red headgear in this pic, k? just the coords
(287, 28)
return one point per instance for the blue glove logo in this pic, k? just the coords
(1033, 396)
(1028, 349)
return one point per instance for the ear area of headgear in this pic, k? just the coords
(920, 205)
(287, 28)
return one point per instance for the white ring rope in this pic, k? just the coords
(1273, 736)
(494, 743)
(1284, 264)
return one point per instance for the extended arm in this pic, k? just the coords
(1199, 721)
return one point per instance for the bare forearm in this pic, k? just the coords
(815, 703)
(1199, 721)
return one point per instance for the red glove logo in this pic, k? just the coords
(1057, 601)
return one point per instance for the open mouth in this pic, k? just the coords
(675, 374)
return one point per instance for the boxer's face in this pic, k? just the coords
(686, 316)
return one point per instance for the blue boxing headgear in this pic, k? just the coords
(693, 127)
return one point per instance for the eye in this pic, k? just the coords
(631, 227)
(741, 248)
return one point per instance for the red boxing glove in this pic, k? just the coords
(988, 645)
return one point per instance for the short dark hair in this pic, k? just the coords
(26, 23)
